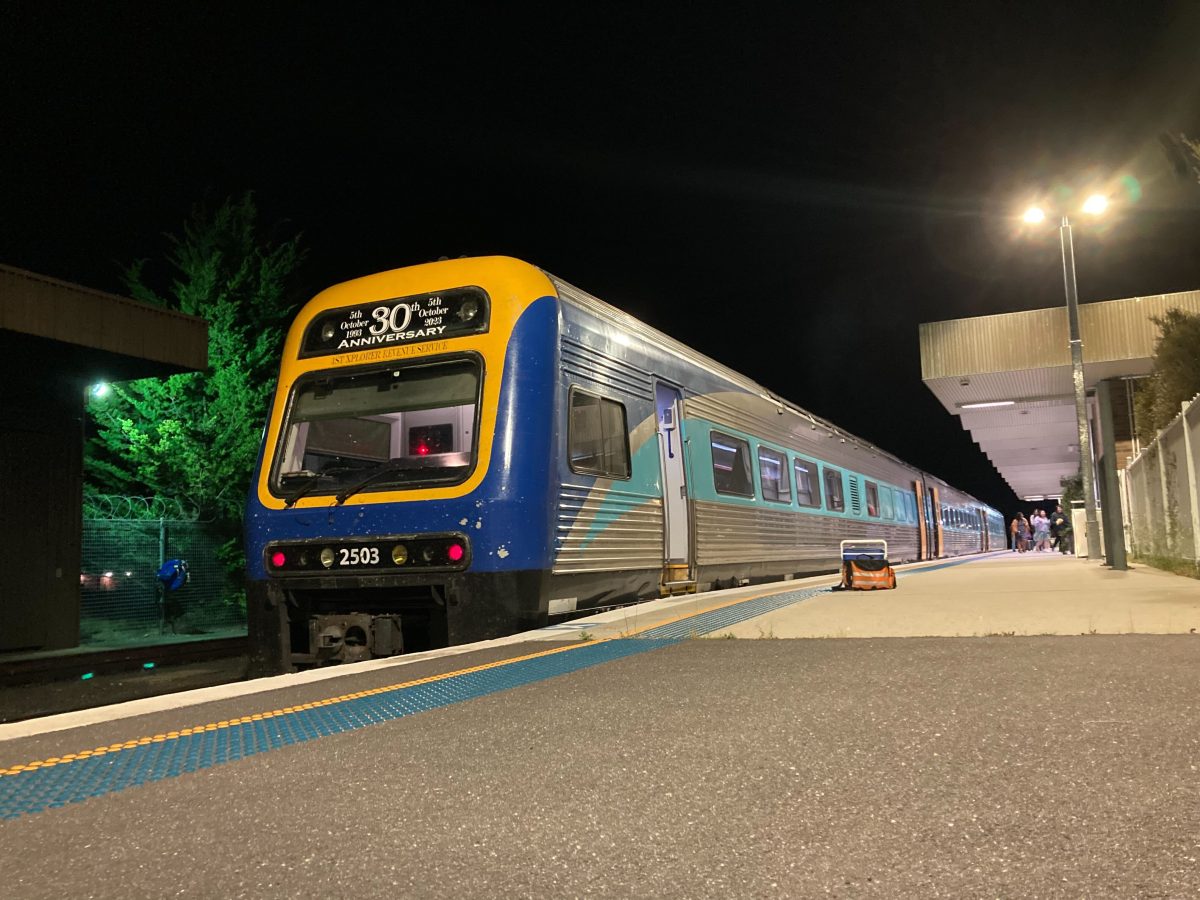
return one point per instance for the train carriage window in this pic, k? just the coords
(774, 477)
(885, 502)
(731, 465)
(872, 499)
(808, 487)
(598, 436)
(834, 498)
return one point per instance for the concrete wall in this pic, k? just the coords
(41, 483)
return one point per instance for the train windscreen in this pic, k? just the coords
(389, 428)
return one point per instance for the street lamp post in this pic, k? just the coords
(1095, 205)
(1076, 344)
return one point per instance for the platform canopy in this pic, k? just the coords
(1008, 378)
(94, 336)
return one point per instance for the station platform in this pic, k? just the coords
(645, 752)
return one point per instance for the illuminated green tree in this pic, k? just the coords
(195, 436)
(1072, 490)
(1176, 375)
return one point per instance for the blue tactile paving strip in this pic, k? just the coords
(60, 781)
(708, 622)
(951, 564)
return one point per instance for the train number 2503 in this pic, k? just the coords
(359, 556)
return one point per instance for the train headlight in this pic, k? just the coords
(327, 557)
(399, 554)
(469, 309)
(328, 331)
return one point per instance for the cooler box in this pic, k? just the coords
(865, 567)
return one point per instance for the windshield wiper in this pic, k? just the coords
(311, 480)
(390, 467)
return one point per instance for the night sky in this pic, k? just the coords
(789, 192)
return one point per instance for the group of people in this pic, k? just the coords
(1041, 532)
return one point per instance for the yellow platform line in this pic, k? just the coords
(285, 711)
(330, 701)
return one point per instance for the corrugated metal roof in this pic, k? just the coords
(1023, 360)
(1111, 330)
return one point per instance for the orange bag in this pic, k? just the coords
(867, 575)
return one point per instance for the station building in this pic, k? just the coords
(57, 339)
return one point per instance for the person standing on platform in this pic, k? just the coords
(1041, 530)
(1060, 528)
(1021, 524)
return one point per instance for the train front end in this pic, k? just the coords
(401, 501)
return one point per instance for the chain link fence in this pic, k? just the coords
(1161, 487)
(125, 542)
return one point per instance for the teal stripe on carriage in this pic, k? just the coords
(617, 502)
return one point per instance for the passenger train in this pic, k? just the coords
(463, 449)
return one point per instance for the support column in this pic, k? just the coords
(1193, 489)
(1114, 528)
(1165, 493)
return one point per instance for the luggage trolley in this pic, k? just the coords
(865, 566)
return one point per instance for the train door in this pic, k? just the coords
(922, 528)
(985, 539)
(677, 543)
(934, 513)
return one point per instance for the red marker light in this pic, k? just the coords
(455, 552)
(422, 449)
(278, 559)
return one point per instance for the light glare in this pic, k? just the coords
(1095, 204)
(1034, 215)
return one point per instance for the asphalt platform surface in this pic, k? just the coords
(988, 766)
